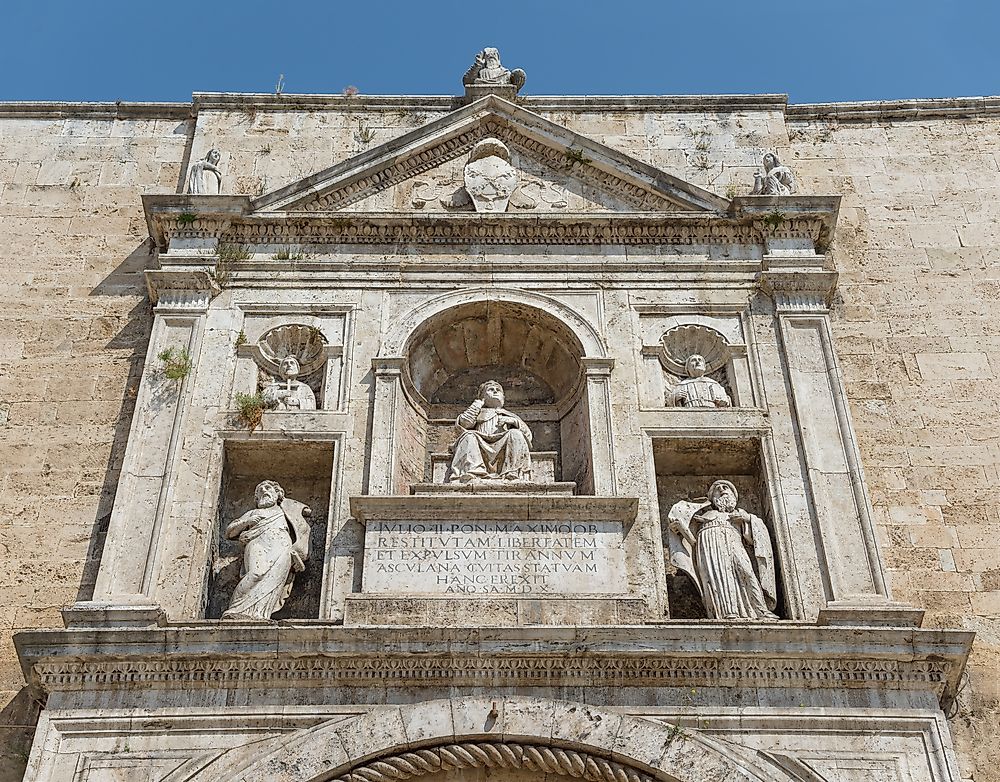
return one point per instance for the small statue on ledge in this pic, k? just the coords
(204, 178)
(496, 444)
(288, 393)
(487, 71)
(697, 390)
(275, 538)
(727, 553)
(776, 180)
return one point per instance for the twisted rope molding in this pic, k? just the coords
(450, 757)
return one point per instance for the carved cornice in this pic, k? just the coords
(781, 655)
(363, 228)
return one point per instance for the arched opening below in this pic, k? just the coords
(531, 353)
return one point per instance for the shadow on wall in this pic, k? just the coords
(17, 728)
(125, 280)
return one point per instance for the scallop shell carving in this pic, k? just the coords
(682, 341)
(304, 342)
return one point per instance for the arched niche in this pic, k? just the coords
(520, 738)
(536, 358)
(549, 359)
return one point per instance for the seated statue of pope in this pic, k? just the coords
(495, 443)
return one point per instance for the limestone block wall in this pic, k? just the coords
(918, 335)
(917, 324)
(74, 320)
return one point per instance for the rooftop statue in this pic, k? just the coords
(204, 177)
(727, 553)
(776, 179)
(275, 538)
(496, 444)
(487, 71)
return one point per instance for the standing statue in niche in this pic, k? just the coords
(275, 538)
(487, 70)
(287, 393)
(776, 180)
(204, 178)
(697, 390)
(727, 552)
(496, 444)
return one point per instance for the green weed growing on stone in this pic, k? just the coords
(286, 255)
(774, 219)
(574, 156)
(250, 410)
(364, 134)
(226, 256)
(176, 363)
(186, 218)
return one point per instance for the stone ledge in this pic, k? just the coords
(310, 654)
(558, 488)
(881, 110)
(94, 110)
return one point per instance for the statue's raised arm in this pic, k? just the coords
(495, 443)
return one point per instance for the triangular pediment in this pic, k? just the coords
(560, 171)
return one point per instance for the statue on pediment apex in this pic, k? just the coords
(487, 71)
(776, 180)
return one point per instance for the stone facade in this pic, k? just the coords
(339, 213)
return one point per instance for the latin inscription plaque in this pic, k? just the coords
(454, 544)
(501, 557)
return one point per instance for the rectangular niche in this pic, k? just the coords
(304, 470)
(685, 468)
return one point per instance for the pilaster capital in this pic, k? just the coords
(597, 366)
(187, 290)
(798, 284)
(388, 366)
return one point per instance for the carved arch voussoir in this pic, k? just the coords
(572, 740)
(494, 755)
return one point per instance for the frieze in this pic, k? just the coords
(507, 671)
(486, 229)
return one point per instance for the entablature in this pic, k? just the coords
(751, 221)
(674, 654)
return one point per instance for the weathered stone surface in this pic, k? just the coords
(902, 371)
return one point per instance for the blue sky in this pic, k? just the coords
(814, 51)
